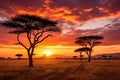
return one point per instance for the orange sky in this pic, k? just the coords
(10, 51)
(75, 18)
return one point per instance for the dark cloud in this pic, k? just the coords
(64, 3)
(99, 8)
(85, 4)
(80, 4)
(9, 8)
(111, 5)
(21, 3)
(96, 13)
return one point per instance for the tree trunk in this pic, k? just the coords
(18, 57)
(30, 61)
(30, 54)
(89, 55)
(80, 57)
(89, 58)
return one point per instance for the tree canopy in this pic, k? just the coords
(88, 41)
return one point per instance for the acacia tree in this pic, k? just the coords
(19, 56)
(34, 28)
(88, 43)
(85, 49)
(75, 57)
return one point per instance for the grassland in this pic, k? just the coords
(49, 69)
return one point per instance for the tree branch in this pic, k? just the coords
(38, 35)
(29, 38)
(19, 42)
(44, 38)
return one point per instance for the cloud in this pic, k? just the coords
(110, 32)
(75, 17)
(111, 5)
(75, 11)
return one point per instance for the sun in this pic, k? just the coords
(48, 53)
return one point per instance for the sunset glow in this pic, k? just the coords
(75, 18)
(48, 53)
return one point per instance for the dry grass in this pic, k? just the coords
(49, 69)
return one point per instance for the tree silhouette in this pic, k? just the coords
(75, 57)
(104, 56)
(110, 56)
(87, 43)
(34, 28)
(19, 56)
(84, 49)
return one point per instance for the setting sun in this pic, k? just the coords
(47, 53)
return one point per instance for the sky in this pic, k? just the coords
(75, 18)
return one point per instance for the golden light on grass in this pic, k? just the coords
(48, 53)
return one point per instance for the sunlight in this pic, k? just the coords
(48, 53)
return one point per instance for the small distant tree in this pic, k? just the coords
(33, 28)
(19, 56)
(88, 43)
(104, 56)
(9, 58)
(75, 57)
(110, 56)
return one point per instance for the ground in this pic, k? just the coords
(53, 69)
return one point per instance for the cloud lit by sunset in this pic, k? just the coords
(75, 18)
